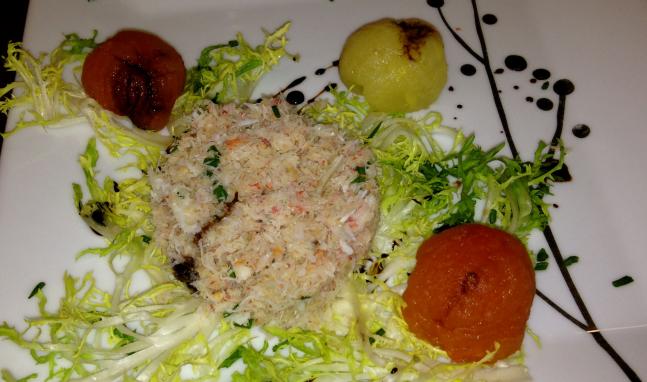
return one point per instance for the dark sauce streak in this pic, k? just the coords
(550, 239)
(530, 99)
(558, 308)
(591, 327)
(327, 88)
(562, 88)
(322, 71)
(438, 5)
(499, 71)
(292, 84)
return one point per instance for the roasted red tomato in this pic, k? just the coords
(472, 287)
(136, 74)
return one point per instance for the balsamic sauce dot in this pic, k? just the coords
(468, 69)
(563, 87)
(295, 97)
(498, 71)
(581, 130)
(515, 62)
(489, 19)
(436, 3)
(455, 118)
(516, 87)
(555, 205)
(541, 74)
(320, 71)
(459, 106)
(544, 104)
(533, 80)
(529, 99)
(335, 63)
(451, 88)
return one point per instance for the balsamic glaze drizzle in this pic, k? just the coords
(565, 88)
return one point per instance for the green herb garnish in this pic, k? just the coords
(542, 255)
(276, 111)
(38, 287)
(233, 357)
(246, 325)
(624, 280)
(571, 260)
(541, 266)
(214, 159)
(220, 193)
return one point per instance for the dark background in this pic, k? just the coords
(14, 13)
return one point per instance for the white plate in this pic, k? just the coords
(598, 45)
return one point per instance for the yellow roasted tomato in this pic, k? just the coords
(397, 65)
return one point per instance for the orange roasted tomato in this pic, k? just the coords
(472, 288)
(136, 74)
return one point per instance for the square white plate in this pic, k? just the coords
(600, 46)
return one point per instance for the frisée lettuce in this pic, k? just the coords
(150, 327)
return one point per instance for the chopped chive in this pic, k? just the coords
(279, 345)
(233, 357)
(233, 43)
(276, 111)
(542, 255)
(146, 239)
(381, 332)
(571, 260)
(545, 85)
(361, 170)
(214, 159)
(232, 274)
(359, 179)
(371, 340)
(541, 266)
(492, 217)
(624, 280)
(38, 287)
(119, 334)
(246, 325)
(377, 127)
(220, 193)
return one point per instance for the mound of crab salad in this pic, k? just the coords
(263, 212)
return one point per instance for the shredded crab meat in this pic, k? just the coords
(272, 212)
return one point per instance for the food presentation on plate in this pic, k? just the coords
(319, 191)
